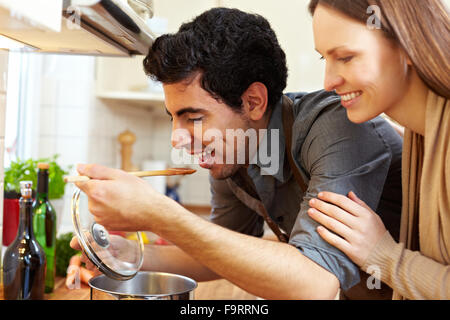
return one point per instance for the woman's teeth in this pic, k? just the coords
(351, 96)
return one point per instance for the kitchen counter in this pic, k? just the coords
(211, 290)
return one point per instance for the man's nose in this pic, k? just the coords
(181, 138)
(332, 79)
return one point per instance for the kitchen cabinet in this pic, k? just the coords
(42, 14)
(123, 80)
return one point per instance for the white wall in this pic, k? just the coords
(292, 23)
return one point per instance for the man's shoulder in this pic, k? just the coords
(313, 107)
(304, 101)
(320, 109)
(322, 123)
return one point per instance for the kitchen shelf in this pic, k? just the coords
(138, 98)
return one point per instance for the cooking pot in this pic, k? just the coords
(143, 286)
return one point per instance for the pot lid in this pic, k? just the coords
(114, 255)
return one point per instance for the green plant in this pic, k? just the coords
(63, 253)
(27, 171)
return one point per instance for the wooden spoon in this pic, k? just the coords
(152, 173)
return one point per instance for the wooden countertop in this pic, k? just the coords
(211, 290)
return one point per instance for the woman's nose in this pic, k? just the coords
(332, 79)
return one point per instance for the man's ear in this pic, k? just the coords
(255, 100)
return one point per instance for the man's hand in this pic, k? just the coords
(118, 200)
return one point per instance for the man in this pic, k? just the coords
(225, 72)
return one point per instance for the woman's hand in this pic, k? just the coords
(356, 228)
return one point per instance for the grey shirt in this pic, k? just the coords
(332, 154)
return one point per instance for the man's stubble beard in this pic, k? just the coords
(229, 170)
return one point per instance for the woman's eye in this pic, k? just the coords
(346, 59)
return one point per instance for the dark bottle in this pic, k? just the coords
(44, 225)
(24, 260)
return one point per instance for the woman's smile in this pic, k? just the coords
(350, 98)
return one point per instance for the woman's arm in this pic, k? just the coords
(361, 235)
(409, 273)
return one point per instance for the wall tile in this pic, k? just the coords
(49, 92)
(75, 94)
(3, 70)
(69, 67)
(2, 154)
(2, 114)
(47, 146)
(72, 122)
(102, 150)
(73, 150)
(48, 115)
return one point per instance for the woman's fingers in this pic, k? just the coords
(331, 223)
(333, 211)
(354, 232)
(334, 240)
(341, 201)
(355, 198)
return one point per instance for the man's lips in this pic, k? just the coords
(206, 159)
(202, 153)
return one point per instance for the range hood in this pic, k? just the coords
(89, 27)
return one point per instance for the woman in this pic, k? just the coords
(393, 58)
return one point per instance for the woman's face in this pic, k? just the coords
(367, 70)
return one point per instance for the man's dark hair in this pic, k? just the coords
(230, 48)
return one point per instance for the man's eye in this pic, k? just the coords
(195, 119)
(346, 59)
(322, 58)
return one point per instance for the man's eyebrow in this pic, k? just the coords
(187, 110)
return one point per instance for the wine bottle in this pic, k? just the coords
(44, 225)
(24, 260)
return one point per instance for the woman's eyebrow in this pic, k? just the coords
(331, 51)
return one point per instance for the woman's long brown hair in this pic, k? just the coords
(421, 28)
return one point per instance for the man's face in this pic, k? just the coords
(200, 125)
